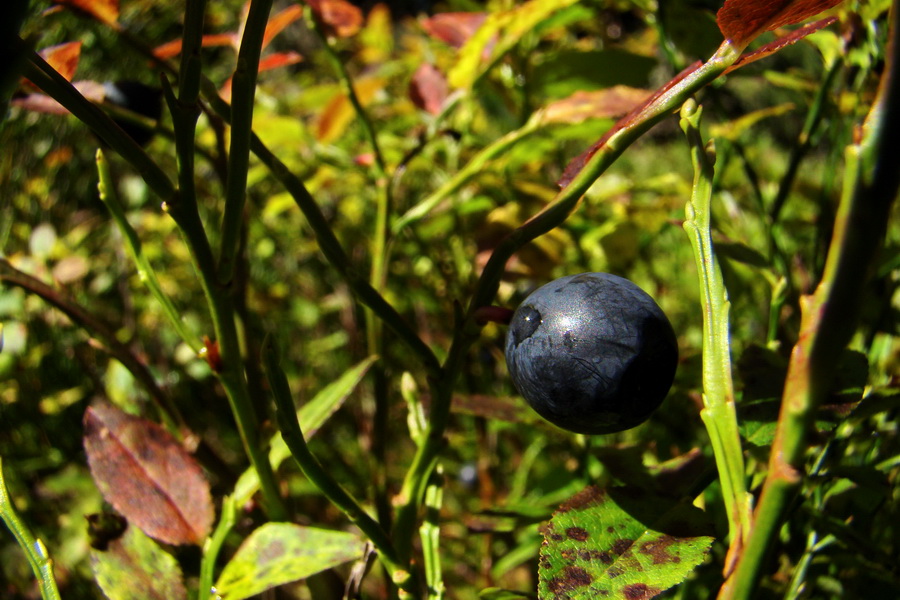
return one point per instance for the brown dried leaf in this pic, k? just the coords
(454, 28)
(596, 104)
(428, 89)
(740, 21)
(105, 11)
(339, 17)
(147, 476)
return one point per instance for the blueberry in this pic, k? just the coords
(592, 353)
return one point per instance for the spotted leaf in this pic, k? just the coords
(620, 543)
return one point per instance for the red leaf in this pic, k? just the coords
(454, 28)
(173, 48)
(743, 20)
(339, 17)
(428, 89)
(63, 58)
(278, 59)
(147, 476)
(278, 22)
(773, 47)
(105, 11)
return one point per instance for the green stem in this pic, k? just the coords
(34, 549)
(718, 412)
(185, 211)
(430, 532)
(212, 547)
(347, 84)
(378, 268)
(327, 241)
(472, 169)
(134, 247)
(243, 93)
(316, 473)
(829, 315)
(335, 254)
(231, 373)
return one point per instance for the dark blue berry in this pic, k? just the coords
(592, 353)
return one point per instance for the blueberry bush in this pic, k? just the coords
(274, 276)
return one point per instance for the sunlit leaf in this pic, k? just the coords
(173, 48)
(63, 58)
(279, 21)
(506, 28)
(428, 88)
(147, 476)
(339, 112)
(454, 28)
(134, 567)
(377, 37)
(619, 543)
(279, 553)
(339, 17)
(278, 59)
(741, 21)
(105, 11)
(597, 104)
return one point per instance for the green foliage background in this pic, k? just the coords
(505, 470)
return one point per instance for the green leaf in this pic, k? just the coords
(279, 553)
(134, 567)
(507, 28)
(620, 543)
(312, 416)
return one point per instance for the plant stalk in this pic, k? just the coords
(34, 549)
(718, 414)
(829, 315)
